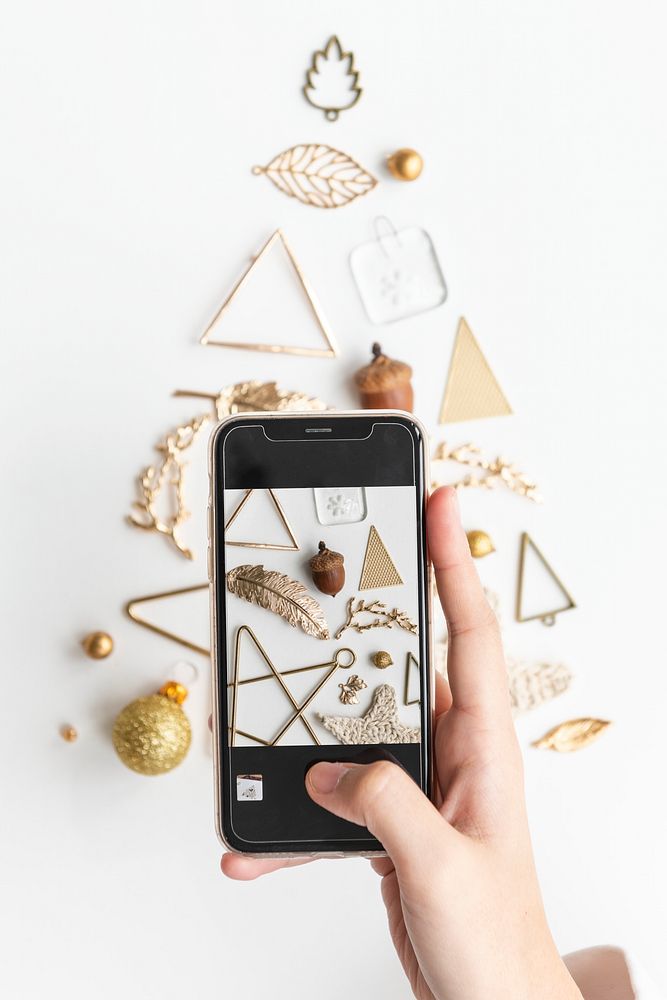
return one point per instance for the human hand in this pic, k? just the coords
(459, 883)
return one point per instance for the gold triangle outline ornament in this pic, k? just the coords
(546, 617)
(293, 547)
(378, 569)
(130, 611)
(299, 708)
(410, 660)
(472, 391)
(331, 349)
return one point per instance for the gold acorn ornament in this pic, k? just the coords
(97, 645)
(328, 570)
(405, 164)
(385, 384)
(480, 544)
(152, 735)
(382, 659)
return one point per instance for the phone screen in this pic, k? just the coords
(325, 661)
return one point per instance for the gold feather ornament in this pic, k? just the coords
(318, 175)
(279, 593)
(575, 734)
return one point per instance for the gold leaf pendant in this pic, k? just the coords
(279, 593)
(572, 735)
(318, 175)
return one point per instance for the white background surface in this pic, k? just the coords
(128, 206)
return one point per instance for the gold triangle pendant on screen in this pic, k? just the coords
(546, 617)
(472, 391)
(292, 547)
(166, 595)
(330, 348)
(378, 569)
(410, 661)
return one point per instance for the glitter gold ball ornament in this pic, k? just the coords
(480, 544)
(97, 645)
(382, 659)
(405, 164)
(152, 735)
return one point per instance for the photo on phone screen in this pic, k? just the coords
(323, 661)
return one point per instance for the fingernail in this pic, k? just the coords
(324, 777)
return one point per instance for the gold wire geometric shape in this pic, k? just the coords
(318, 175)
(331, 350)
(293, 547)
(472, 391)
(378, 569)
(299, 708)
(165, 595)
(411, 660)
(327, 63)
(546, 617)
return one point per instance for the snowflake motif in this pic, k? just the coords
(340, 506)
(250, 793)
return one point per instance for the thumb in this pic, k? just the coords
(385, 799)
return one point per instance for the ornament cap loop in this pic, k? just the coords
(174, 691)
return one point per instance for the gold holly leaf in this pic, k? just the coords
(349, 690)
(279, 593)
(318, 176)
(572, 735)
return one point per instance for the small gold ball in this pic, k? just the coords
(177, 692)
(382, 659)
(97, 645)
(405, 164)
(480, 544)
(69, 734)
(152, 735)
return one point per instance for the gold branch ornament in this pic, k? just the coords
(488, 474)
(318, 175)
(331, 81)
(575, 734)
(169, 472)
(381, 617)
(169, 476)
(280, 594)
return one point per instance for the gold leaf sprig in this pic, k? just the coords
(279, 593)
(318, 175)
(572, 735)
(350, 689)
(255, 397)
(170, 472)
(384, 618)
(489, 474)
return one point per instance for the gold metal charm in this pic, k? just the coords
(572, 735)
(383, 618)
(97, 645)
(69, 734)
(342, 658)
(378, 569)
(546, 617)
(318, 175)
(472, 390)
(495, 472)
(131, 612)
(293, 547)
(349, 690)
(280, 594)
(331, 349)
(380, 724)
(253, 397)
(405, 164)
(331, 81)
(480, 544)
(410, 661)
(382, 659)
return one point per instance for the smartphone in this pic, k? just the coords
(308, 664)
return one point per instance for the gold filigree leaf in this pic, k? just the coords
(280, 594)
(253, 397)
(318, 175)
(572, 735)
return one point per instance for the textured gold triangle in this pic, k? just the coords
(472, 391)
(411, 661)
(378, 569)
(131, 612)
(547, 617)
(292, 547)
(331, 349)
